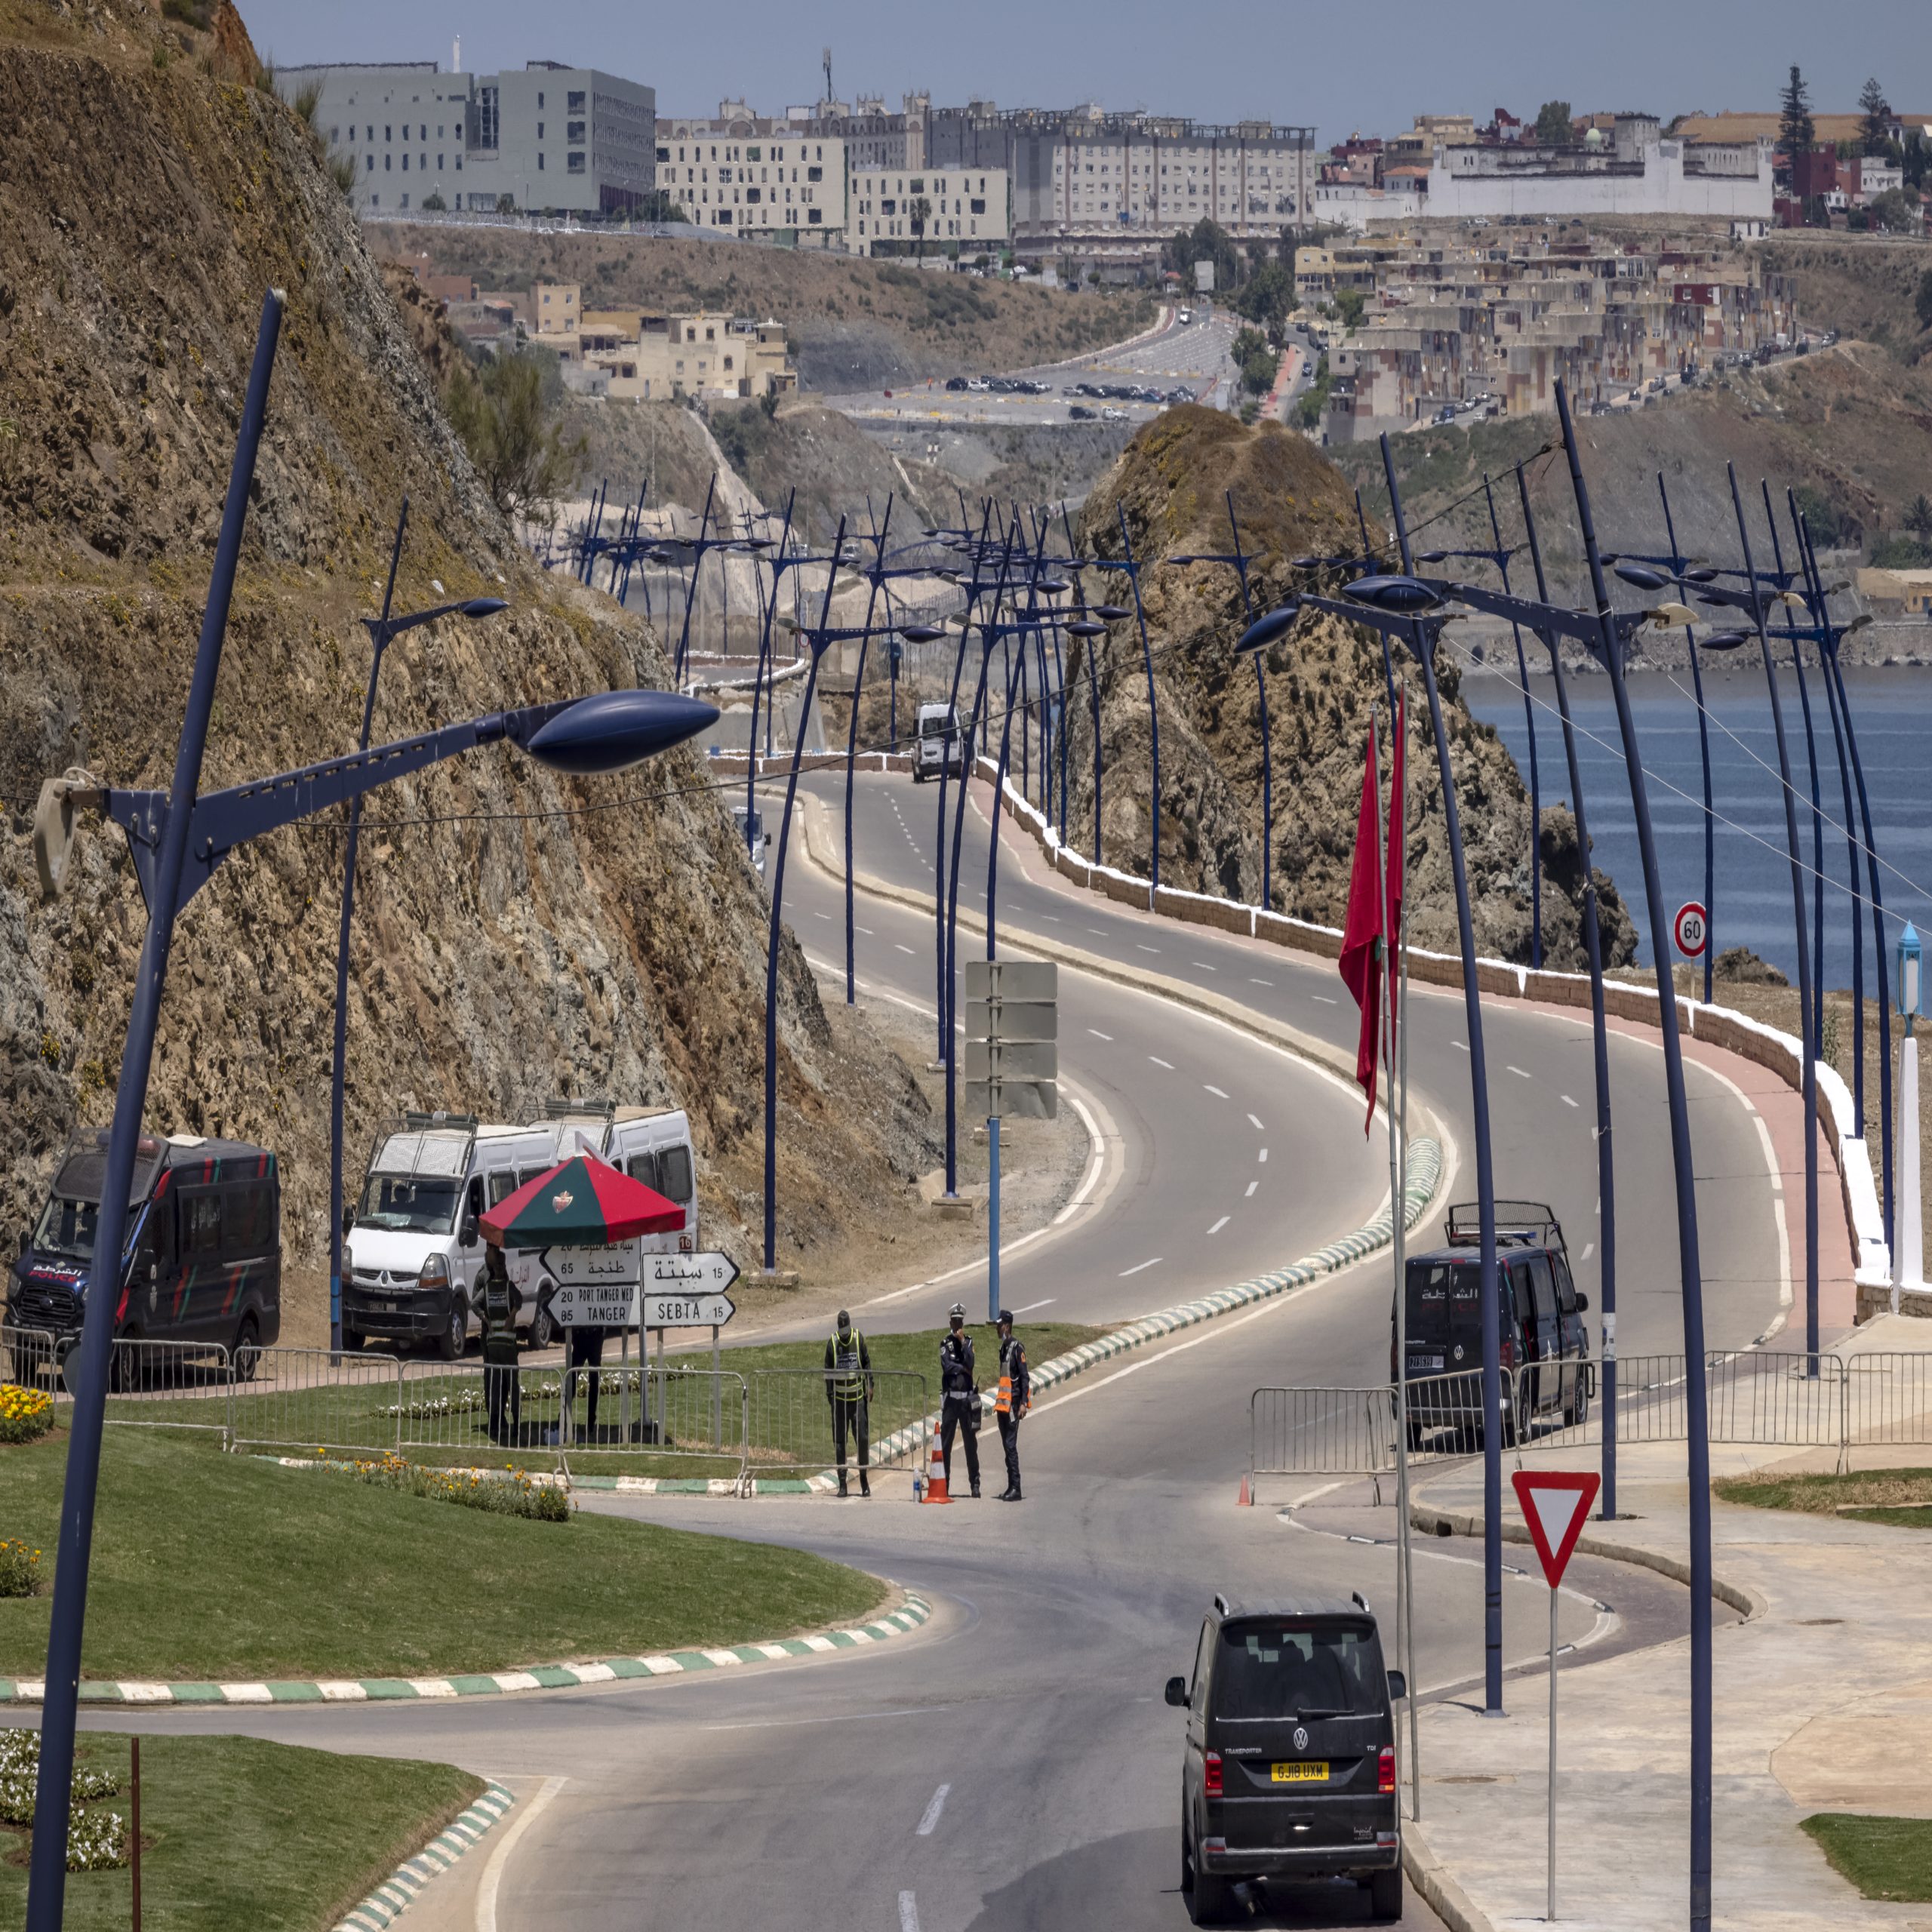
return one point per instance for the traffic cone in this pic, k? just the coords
(936, 1472)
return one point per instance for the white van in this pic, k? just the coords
(940, 744)
(413, 1250)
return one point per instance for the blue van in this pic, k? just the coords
(203, 1259)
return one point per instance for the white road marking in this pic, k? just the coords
(1031, 1305)
(1215, 1091)
(1054, 918)
(1589, 1248)
(1159, 1062)
(1322, 999)
(821, 915)
(1770, 1152)
(493, 1873)
(1263, 1156)
(1252, 1186)
(902, 949)
(1138, 1266)
(1256, 1124)
(1202, 963)
(908, 1912)
(1098, 932)
(1520, 1074)
(932, 1812)
(1461, 1046)
(1567, 1101)
(1254, 982)
(1097, 1151)
(1220, 1224)
(866, 930)
(1146, 948)
(1099, 1035)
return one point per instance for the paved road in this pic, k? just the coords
(797, 1796)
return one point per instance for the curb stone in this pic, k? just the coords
(390, 1900)
(1440, 1892)
(910, 1614)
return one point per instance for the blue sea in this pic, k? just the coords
(1891, 711)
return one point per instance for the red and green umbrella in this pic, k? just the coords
(582, 1202)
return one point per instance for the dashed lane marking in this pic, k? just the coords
(1567, 1101)
(1159, 1062)
(1322, 999)
(1138, 1265)
(1252, 1186)
(1099, 1035)
(1220, 1224)
(1215, 1091)
(1262, 1155)
(931, 1819)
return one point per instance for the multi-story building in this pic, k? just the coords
(944, 211)
(548, 139)
(765, 179)
(647, 354)
(1110, 189)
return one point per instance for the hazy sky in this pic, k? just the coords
(1336, 67)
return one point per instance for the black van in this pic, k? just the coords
(1290, 1766)
(203, 1260)
(1545, 1341)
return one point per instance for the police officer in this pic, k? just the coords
(502, 1389)
(584, 1349)
(1016, 1392)
(848, 1390)
(959, 1402)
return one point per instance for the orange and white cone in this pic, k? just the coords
(936, 1472)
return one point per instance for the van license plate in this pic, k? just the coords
(1309, 1770)
(1425, 1364)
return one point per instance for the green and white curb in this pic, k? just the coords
(910, 1614)
(1425, 1176)
(390, 1900)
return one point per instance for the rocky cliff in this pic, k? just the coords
(1172, 488)
(518, 935)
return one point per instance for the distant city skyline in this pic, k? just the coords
(1218, 61)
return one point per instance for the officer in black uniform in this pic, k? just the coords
(959, 1400)
(848, 1388)
(1016, 1393)
(503, 1390)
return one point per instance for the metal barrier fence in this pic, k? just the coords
(1775, 1399)
(790, 1420)
(310, 1399)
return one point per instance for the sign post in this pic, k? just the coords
(1691, 929)
(1554, 1503)
(1012, 1065)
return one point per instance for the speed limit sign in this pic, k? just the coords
(1693, 931)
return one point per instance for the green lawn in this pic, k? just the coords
(208, 1566)
(238, 1835)
(1902, 1497)
(1885, 1858)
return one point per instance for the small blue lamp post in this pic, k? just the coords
(1909, 1256)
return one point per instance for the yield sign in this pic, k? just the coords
(1554, 1503)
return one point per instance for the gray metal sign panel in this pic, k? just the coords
(1022, 1020)
(1019, 1099)
(1012, 979)
(1012, 1060)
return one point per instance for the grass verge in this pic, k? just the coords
(1902, 1497)
(220, 1852)
(1885, 1858)
(209, 1566)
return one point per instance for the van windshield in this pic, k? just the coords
(1285, 1670)
(66, 1228)
(410, 1203)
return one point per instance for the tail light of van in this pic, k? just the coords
(1385, 1771)
(1212, 1785)
(1506, 1351)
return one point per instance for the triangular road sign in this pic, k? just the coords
(1554, 1503)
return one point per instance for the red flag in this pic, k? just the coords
(1392, 874)
(1363, 930)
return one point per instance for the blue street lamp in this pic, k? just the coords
(177, 839)
(383, 631)
(877, 575)
(1133, 571)
(1911, 960)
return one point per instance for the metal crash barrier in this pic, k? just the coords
(790, 1430)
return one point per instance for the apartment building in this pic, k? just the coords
(1111, 187)
(963, 212)
(646, 355)
(763, 178)
(552, 138)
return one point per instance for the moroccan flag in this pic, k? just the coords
(1362, 953)
(1392, 871)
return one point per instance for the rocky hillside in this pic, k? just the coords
(518, 935)
(1172, 484)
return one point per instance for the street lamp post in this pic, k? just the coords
(177, 839)
(1679, 565)
(1133, 571)
(383, 632)
(852, 739)
(780, 564)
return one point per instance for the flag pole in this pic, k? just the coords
(1398, 1029)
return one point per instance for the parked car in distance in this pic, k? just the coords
(955, 382)
(1543, 1341)
(1079, 412)
(1288, 1768)
(752, 836)
(202, 1261)
(1110, 414)
(977, 382)
(1186, 316)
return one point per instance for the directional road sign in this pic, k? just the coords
(595, 1305)
(592, 1267)
(676, 1311)
(1692, 929)
(1556, 1503)
(1012, 1024)
(690, 1274)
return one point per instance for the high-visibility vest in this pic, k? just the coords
(1003, 1404)
(847, 1381)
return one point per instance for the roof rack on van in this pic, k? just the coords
(441, 1117)
(1357, 1598)
(592, 1107)
(1222, 1606)
(1521, 1223)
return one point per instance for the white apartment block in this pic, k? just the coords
(946, 211)
(762, 178)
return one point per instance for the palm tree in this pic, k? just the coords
(918, 212)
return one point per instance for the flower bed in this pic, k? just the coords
(25, 1414)
(513, 1494)
(97, 1840)
(19, 1568)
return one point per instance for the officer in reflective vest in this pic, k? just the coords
(959, 1401)
(502, 1391)
(1016, 1395)
(848, 1388)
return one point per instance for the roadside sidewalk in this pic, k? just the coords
(1822, 1703)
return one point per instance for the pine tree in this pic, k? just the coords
(1872, 105)
(1797, 133)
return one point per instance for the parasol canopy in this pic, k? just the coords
(582, 1202)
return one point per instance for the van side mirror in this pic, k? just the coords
(1177, 1690)
(1398, 1686)
(348, 1220)
(26, 1241)
(467, 1234)
(1582, 1303)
